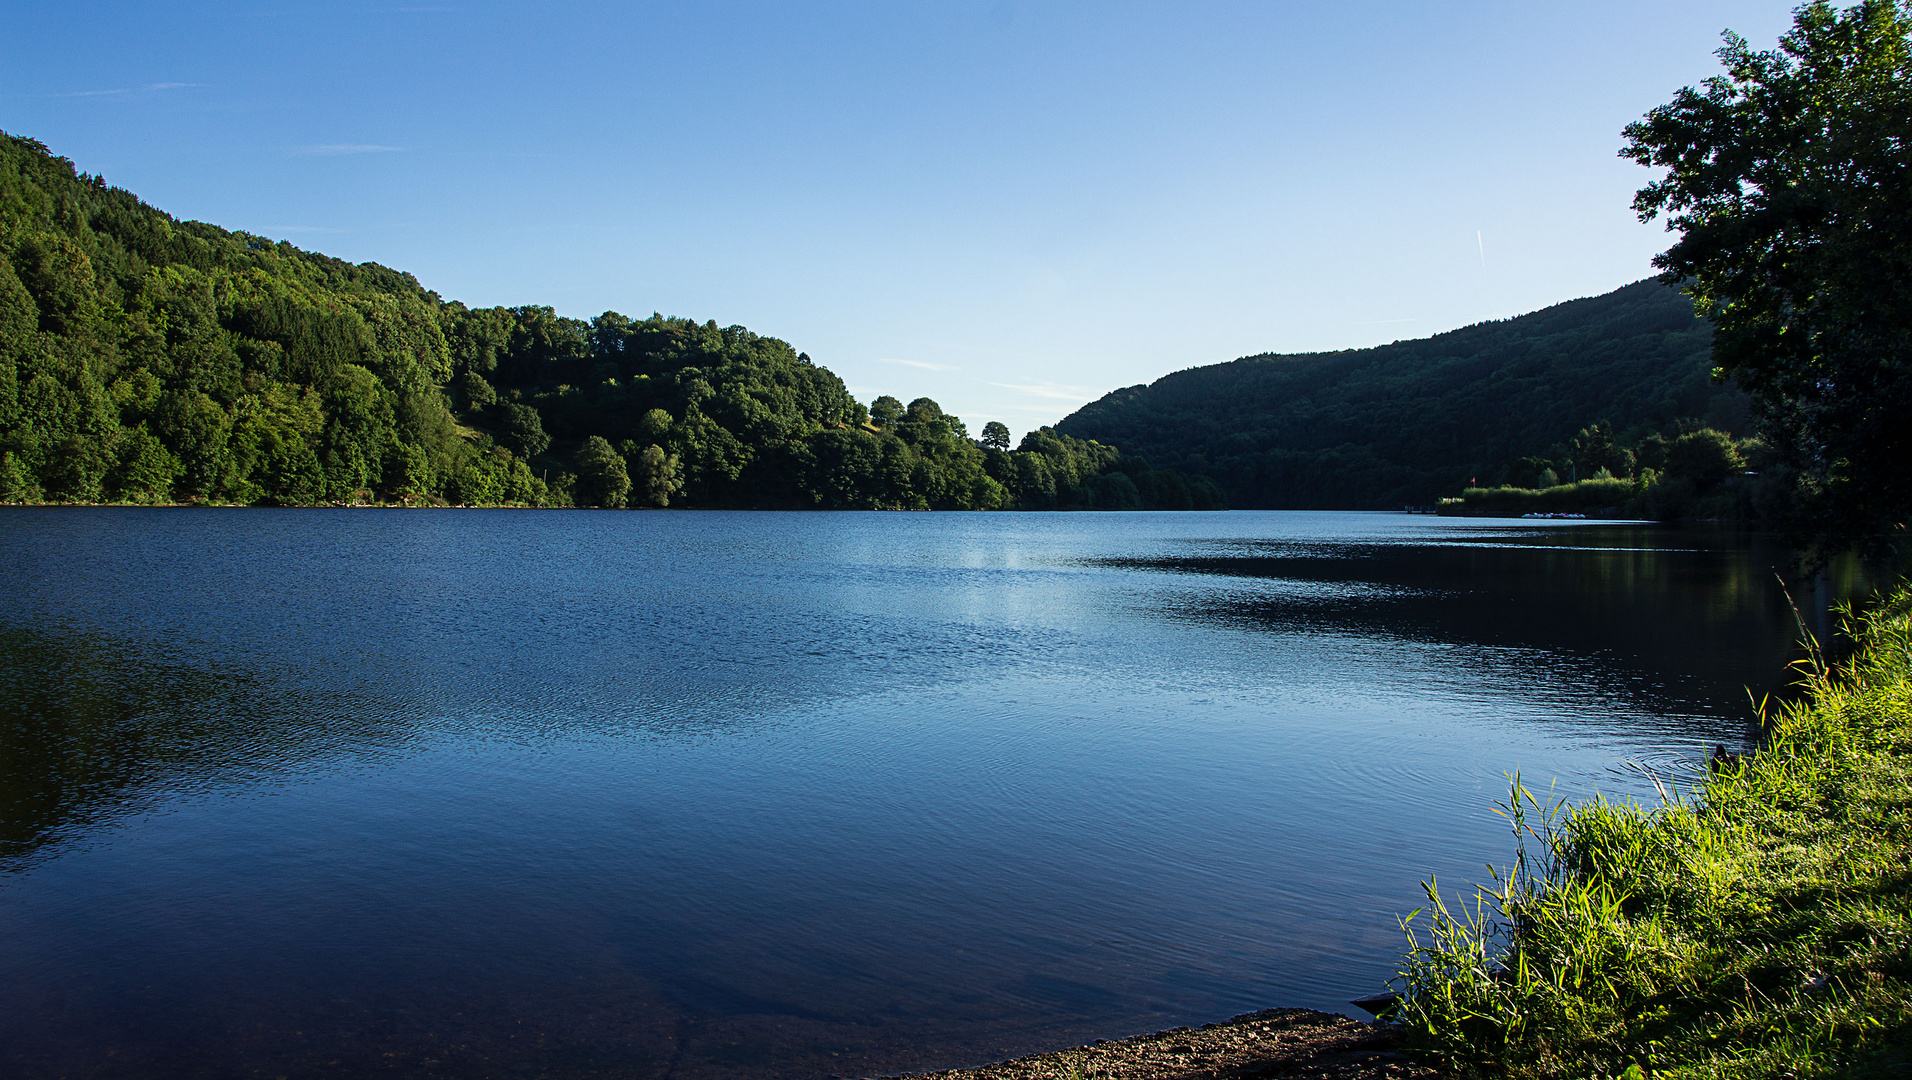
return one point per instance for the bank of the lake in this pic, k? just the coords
(1760, 926)
(1273, 1044)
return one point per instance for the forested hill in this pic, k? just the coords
(1403, 424)
(145, 359)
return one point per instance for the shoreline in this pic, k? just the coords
(1291, 1044)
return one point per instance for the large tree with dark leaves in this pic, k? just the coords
(1789, 180)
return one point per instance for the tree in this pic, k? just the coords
(1594, 449)
(1651, 453)
(886, 411)
(522, 430)
(654, 425)
(14, 485)
(145, 471)
(75, 468)
(1525, 472)
(654, 474)
(602, 478)
(197, 429)
(408, 472)
(1789, 180)
(995, 435)
(474, 391)
(1703, 457)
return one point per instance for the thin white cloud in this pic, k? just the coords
(924, 364)
(124, 90)
(337, 149)
(1049, 390)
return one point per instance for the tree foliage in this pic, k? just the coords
(1789, 180)
(1695, 474)
(1406, 423)
(144, 359)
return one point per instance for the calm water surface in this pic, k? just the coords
(495, 793)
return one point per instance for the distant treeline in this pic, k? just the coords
(1694, 474)
(144, 359)
(1407, 423)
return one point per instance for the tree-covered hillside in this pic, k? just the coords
(1406, 423)
(144, 359)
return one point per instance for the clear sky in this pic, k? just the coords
(1012, 207)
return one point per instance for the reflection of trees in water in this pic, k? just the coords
(92, 728)
(1661, 604)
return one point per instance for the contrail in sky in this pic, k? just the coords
(1483, 249)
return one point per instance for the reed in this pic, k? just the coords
(1758, 924)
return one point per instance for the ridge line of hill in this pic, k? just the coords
(145, 359)
(1412, 421)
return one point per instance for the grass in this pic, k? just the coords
(1586, 495)
(1760, 926)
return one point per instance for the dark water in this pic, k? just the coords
(494, 793)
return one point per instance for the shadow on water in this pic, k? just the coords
(1652, 604)
(92, 729)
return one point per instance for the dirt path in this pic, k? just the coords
(1278, 1044)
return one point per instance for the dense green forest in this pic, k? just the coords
(144, 359)
(1408, 423)
(1696, 474)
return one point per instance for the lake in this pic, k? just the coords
(572, 794)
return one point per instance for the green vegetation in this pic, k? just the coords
(144, 359)
(1700, 475)
(1789, 180)
(1603, 496)
(1759, 927)
(1407, 423)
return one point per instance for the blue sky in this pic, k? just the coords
(1012, 207)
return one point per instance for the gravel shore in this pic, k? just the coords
(1288, 1044)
